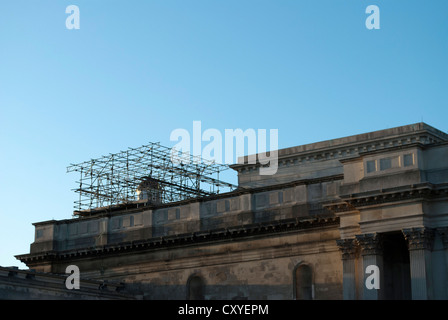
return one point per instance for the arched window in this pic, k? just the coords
(195, 288)
(303, 282)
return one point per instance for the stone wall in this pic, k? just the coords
(257, 267)
(234, 209)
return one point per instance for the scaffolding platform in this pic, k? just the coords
(145, 174)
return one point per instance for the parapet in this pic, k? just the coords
(320, 159)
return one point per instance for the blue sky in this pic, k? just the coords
(137, 70)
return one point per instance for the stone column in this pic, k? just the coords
(420, 242)
(443, 233)
(372, 254)
(348, 248)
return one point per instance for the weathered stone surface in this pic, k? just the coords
(18, 284)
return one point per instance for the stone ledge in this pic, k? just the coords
(424, 190)
(55, 284)
(352, 146)
(222, 234)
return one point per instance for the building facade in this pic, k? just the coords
(307, 232)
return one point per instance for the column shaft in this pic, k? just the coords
(372, 254)
(420, 246)
(348, 248)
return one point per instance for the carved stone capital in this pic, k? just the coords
(348, 247)
(419, 238)
(370, 243)
(443, 232)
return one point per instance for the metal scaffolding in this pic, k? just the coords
(145, 174)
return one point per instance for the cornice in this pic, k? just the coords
(195, 238)
(350, 150)
(392, 148)
(32, 279)
(426, 191)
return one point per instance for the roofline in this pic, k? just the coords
(333, 145)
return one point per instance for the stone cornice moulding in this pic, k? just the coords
(353, 202)
(361, 155)
(342, 152)
(201, 237)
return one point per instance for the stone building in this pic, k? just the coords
(18, 284)
(308, 232)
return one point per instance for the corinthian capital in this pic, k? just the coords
(419, 238)
(443, 232)
(348, 247)
(371, 243)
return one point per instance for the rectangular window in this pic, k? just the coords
(39, 233)
(408, 160)
(371, 166)
(385, 163)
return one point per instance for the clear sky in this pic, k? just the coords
(137, 70)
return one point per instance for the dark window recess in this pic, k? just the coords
(195, 288)
(371, 166)
(408, 160)
(385, 163)
(304, 280)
